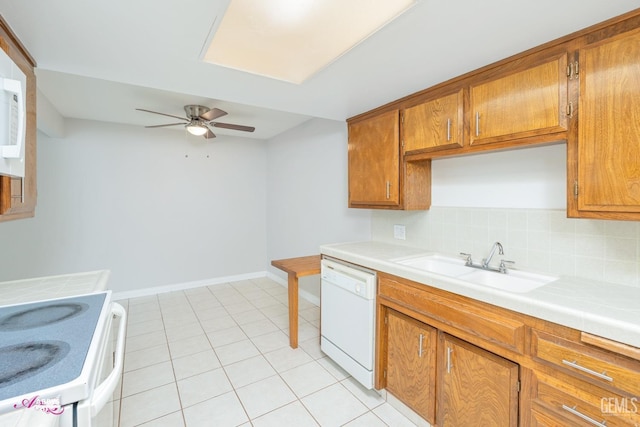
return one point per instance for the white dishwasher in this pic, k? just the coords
(347, 307)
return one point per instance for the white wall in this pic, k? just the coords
(307, 194)
(526, 178)
(154, 206)
(159, 208)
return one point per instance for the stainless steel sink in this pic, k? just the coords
(517, 281)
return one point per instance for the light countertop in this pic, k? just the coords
(605, 309)
(48, 287)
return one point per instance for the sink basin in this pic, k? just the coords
(514, 281)
(438, 264)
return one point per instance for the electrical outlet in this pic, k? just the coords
(399, 232)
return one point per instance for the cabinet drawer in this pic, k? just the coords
(584, 362)
(584, 404)
(490, 325)
(542, 418)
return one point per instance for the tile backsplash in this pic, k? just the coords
(543, 240)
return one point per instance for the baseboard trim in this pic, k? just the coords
(145, 292)
(187, 285)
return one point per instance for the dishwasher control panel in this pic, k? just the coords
(359, 282)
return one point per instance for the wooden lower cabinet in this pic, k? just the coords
(476, 387)
(446, 380)
(461, 362)
(411, 363)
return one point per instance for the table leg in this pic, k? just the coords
(293, 310)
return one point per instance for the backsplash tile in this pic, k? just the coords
(538, 239)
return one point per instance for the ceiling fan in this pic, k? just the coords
(199, 120)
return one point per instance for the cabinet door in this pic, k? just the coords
(433, 125)
(374, 161)
(411, 363)
(527, 103)
(11, 193)
(609, 126)
(18, 195)
(476, 387)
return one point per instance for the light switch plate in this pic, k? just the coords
(399, 232)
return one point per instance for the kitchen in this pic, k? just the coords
(88, 218)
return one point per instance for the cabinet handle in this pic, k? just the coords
(477, 123)
(449, 365)
(388, 189)
(448, 130)
(420, 346)
(587, 418)
(575, 365)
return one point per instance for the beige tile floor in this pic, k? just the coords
(220, 356)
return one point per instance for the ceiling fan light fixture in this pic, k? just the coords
(196, 129)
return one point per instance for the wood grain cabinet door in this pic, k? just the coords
(411, 363)
(433, 125)
(374, 161)
(476, 387)
(609, 126)
(528, 103)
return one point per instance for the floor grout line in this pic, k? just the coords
(227, 296)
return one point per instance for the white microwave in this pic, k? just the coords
(13, 87)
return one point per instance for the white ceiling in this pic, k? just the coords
(100, 60)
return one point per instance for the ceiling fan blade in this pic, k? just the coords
(209, 134)
(163, 114)
(213, 114)
(161, 126)
(234, 127)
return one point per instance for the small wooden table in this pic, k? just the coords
(296, 268)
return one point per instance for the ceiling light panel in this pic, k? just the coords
(293, 39)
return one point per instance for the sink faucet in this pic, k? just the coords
(487, 260)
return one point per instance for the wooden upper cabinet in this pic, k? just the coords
(411, 363)
(374, 161)
(18, 195)
(608, 152)
(528, 103)
(476, 387)
(433, 125)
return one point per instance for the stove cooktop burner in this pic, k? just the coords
(41, 316)
(44, 344)
(21, 361)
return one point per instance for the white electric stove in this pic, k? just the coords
(57, 364)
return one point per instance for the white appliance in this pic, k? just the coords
(347, 307)
(58, 366)
(13, 87)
